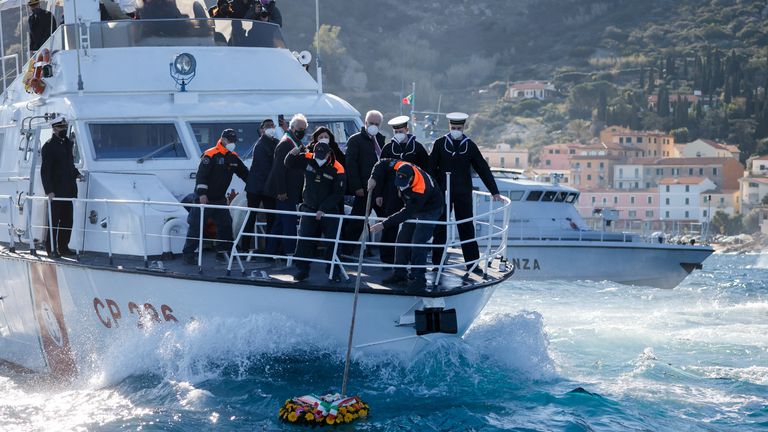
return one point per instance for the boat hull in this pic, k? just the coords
(56, 317)
(634, 263)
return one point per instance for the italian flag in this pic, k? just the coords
(408, 99)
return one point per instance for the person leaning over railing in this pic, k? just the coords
(324, 183)
(422, 200)
(214, 174)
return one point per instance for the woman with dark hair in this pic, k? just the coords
(324, 134)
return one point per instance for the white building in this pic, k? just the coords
(628, 176)
(713, 201)
(680, 197)
(530, 89)
(752, 191)
(708, 148)
(759, 166)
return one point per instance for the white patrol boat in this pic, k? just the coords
(143, 100)
(549, 240)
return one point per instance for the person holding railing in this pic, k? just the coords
(214, 174)
(422, 200)
(58, 175)
(403, 147)
(456, 154)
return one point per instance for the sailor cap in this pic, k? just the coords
(59, 121)
(399, 122)
(457, 118)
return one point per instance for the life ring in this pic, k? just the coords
(33, 78)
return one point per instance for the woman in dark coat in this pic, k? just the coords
(323, 133)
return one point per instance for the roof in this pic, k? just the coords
(727, 147)
(620, 191)
(649, 160)
(531, 85)
(620, 130)
(764, 157)
(763, 180)
(682, 180)
(694, 161)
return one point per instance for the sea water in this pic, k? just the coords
(544, 356)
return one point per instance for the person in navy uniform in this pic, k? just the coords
(423, 200)
(324, 185)
(214, 174)
(41, 25)
(59, 177)
(363, 151)
(403, 146)
(455, 153)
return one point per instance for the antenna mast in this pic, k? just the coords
(317, 38)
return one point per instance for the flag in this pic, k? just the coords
(408, 99)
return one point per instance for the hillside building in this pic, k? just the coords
(541, 90)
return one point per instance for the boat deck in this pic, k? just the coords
(275, 272)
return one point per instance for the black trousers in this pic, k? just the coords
(61, 223)
(389, 235)
(462, 209)
(309, 226)
(256, 201)
(223, 220)
(353, 228)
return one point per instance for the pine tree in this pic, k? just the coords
(651, 82)
(663, 106)
(642, 77)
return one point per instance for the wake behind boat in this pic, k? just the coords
(549, 240)
(138, 143)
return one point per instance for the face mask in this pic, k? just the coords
(400, 137)
(299, 134)
(231, 146)
(321, 162)
(62, 133)
(456, 134)
(372, 130)
(270, 132)
(324, 140)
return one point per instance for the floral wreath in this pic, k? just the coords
(330, 409)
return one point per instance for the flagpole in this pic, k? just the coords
(413, 104)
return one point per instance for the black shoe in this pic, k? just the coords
(416, 284)
(67, 252)
(478, 271)
(395, 279)
(190, 259)
(300, 275)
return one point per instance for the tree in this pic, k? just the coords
(726, 225)
(681, 135)
(662, 107)
(751, 221)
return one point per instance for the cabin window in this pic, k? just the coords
(534, 195)
(136, 141)
(549, 196)
(208, 134)
(572, 197)
(515, 195)
(560, 196)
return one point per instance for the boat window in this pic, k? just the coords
(136, 141)
(560, 196)
(534, 195)
(571, 197)
(181, 31)
(515, 195)
(549, 196)
(208, 134)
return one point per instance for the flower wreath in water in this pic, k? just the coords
(330, 409)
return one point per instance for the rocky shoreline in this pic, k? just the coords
(742, 243)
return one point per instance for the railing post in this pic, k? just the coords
(12, 243)
(28, 217)
(53, 252)
(336, 246)
(447, 230)
(200, 240)
(109, 232)
(144, 231)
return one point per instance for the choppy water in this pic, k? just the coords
(690, 359)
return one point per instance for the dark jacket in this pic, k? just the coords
(360, 159)
(263, 156)
(214, 174)
(58, 172)
(284, 180)
(41, 25)
(459, 158)
(423, 194)
(411, 151)
(323, 185)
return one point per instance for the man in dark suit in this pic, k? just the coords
(59, 175)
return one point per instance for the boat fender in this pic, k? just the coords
(169, 226)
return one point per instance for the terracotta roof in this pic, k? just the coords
(681, 180)
(693, 161)
(765, 157)
(642, 161)
(762, 180)
(719, 146)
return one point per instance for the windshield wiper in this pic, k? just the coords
(153, 153)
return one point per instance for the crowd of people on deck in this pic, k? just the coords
(398, 179)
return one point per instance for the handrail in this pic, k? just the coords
(492, 236)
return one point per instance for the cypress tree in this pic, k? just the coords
(663, 105)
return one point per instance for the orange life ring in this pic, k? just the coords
(33, 79)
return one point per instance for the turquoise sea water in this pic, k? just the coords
(690, 359)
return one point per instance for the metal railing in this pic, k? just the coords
(18, 219)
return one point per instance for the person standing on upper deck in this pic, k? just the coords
(214, 174)
(285, 185)
(456, 154)
(403, 146)
(41, 25)
(363, 151)
(256, 186)
(58, 175)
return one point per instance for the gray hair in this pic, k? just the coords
(375, 113)
(297, 118)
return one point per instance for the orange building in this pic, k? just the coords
(651, 143)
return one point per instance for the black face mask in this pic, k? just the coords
(61, 134)
(299, 134)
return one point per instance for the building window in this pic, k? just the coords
(551, 151)
(621, 172)
(589, 164)
(631, 200)
(675, 171)
(593, 200)
(637, 185)
(602, 165)
(722, 200)
(687, 188)
(705, 213)
(650, 200)
(687, 201)
(517, 162)
(589, 177)
(571, 151)
(659, 171)
(666, 200)
(714, 171)
(615, 200)
(629, 140)
(690, 171)
(666, 214)
(701, 171)
(686, 214)
(666, 188)
(605, 201)
(633, 213)
(637, 172)
(621, 185)
(502, 162)
(621, 140)
(557, 151)
(547, 162)
(639, 140)
(649, 213)
(647, 185)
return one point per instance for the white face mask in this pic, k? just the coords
(456, 134)
(270, 132)
(231, 146)
(372, 130)
(321, 162)
(400, 137)
(324, 140)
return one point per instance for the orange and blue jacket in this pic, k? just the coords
(324, 186)
(422, 195)
(214, 174)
